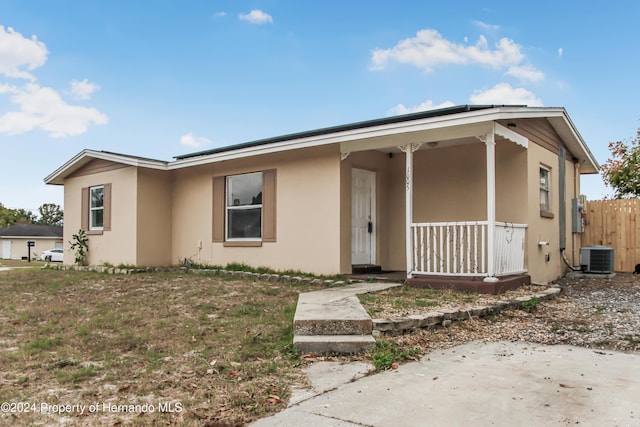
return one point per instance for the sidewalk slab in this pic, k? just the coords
(498, 384)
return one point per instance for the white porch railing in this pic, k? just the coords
(460, 248)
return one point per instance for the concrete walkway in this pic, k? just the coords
(333, 320)
(497, 384)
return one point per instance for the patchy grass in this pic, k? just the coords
(16, 263)
(219, 346)
(387, 354)
(404, 300)
(530, 305)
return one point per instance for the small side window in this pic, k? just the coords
(96, 208)
(545, 192)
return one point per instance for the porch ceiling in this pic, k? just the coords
(433, 138)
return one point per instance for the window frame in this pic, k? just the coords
(93, 227)
(85, 211)
(247, 207)
(269, 209)
(545, 211)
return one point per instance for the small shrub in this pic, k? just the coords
(80, 244)
(530, 305)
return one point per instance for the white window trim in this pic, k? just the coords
(91, 209)
(548, 189)
(246, 207)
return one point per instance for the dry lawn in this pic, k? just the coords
(187, 349)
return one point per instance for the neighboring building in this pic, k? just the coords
(15, 237)
(482, 191)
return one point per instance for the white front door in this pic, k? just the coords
(363, 209)
(6, 249)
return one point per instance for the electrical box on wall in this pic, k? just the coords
(577, 215)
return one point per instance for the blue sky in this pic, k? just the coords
(163, 78)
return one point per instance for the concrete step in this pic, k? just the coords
(330, 344)
(333, 326)
(340, 316)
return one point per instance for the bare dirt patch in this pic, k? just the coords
(603, 314)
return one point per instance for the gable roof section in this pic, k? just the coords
(85, 156)
(405, 124)
(463, 115)
(31, 230)
(341, 128)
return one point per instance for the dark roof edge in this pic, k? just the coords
(132, 156)
(351, 126)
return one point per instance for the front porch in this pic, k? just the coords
(454, 208)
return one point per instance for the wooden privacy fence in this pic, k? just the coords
(614, 223)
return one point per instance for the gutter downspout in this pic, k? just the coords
(562, 208)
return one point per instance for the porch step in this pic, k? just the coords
(340, 316)
(333, 321)
(470, 284)
(365, 268)
(328, 344)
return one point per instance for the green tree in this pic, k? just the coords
(622, 171)
(50, 214)
(10, 216)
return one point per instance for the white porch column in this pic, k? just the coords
(490, 143)
(408, 150)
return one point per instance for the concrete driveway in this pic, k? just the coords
(477, 384)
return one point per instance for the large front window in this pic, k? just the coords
(244, 206)
(96, 208)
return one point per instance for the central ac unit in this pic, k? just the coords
(596, 259)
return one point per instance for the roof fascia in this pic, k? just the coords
(458, 119)
(563, 125)
(567, 131)
(85, 156)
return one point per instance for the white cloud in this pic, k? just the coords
(40, 107)
(220, 14)
(18, 53)
(503, 93)
(427, 105)
(194, 141)
(83, 89)
(256, 17)
(428, 50)
(525, 72)
(485, 26)
(560, 52)
(43, 108)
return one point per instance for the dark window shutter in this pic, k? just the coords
(269, 206)
(84, 209)
(218, 209)
(106, 219)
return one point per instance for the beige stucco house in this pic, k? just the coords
(13, 240)
(467, 191)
